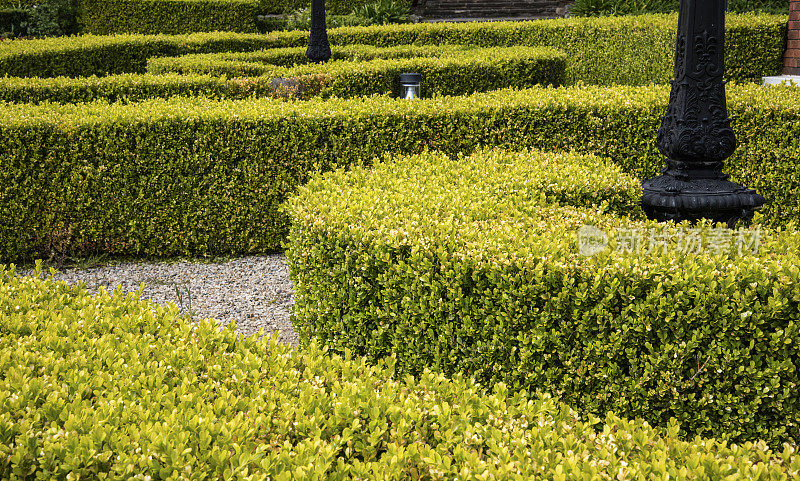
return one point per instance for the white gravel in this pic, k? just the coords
(255, 292)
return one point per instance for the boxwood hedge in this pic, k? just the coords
(620, 50)
(109, 387)
(87, 55)
(371, 71)
(472, 265)
(105, 17)
(195, 177)
(447, 71)
(129, 88)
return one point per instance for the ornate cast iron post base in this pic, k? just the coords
(695, 133)
(319, 50)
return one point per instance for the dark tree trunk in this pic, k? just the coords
(319, 50)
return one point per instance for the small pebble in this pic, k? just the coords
(254, 292)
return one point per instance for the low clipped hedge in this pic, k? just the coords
(332, 7)
(127, 88)
(446, 71)
(472, 266)
(604, 51)
(261, 62)
(458, 72)
(110, 387)
(107, 17)
(87, 55)
(196, 177)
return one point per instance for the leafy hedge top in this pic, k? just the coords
(292, 56)
(740, 98)
(109, 385)
(352, 60)
(499, 207)
(627, 50)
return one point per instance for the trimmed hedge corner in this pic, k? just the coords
(472, 266)
(195, 176)
(110, 387)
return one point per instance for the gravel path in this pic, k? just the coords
(254, 292)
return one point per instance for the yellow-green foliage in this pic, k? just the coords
(618, 50)
(87, 55)
(109, 387)
(332, 7)
(130, 88)
(446, 71)
(193, 176)
(612, 50)
(472, 266)
(262, 62)
(363, 71)
(105, 17)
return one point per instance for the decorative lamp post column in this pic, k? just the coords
(695, 134)
(319, 50)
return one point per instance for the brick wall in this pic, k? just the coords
(791, 62)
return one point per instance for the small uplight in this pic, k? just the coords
(410, 84)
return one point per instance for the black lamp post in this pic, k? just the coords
(319, 50)
(695, 133)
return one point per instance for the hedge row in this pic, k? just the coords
(130, 88)
(136, 87)
(193, 176)
(292, 57)
(109, 387)
(88, 55)
(332, 7)
(445, 71)
(620, 50)
(472, 265)
(458, 74)
(603, 51)
(107, 17)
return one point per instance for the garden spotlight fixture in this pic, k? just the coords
(695, 134)
(410, 83)
(319, 50)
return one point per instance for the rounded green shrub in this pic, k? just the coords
(479, 265)
(110, 387)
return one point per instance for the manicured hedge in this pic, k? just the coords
(623, 50)
(458, 72)
(88, 55)
(130, 88)
(193, 176)
(472, 265)
(224, 63)
(109, 387)
(107, 17)
(446, 71)
(604, 51)
(332, 7)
